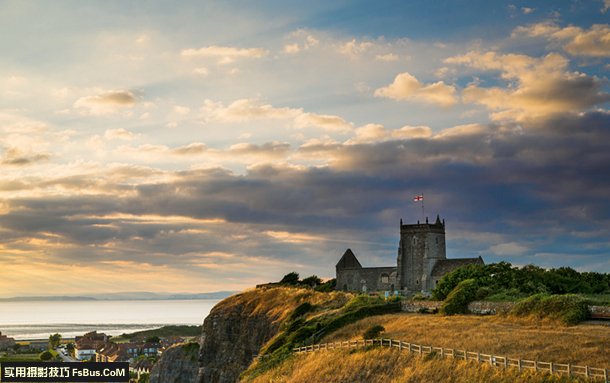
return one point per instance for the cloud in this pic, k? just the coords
(269, 149)
(407, 87)
(354, 48)
(17, 157)
(594, 42)
(539, 87)
(107, 102)
(387, 57)
(224, 54)
(119, 134)
(243, 110)
(508, 249)
(322, 121)
(306, 42)
(371, 133)
(527, 10)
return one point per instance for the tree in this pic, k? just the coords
(70, 347)
(153, 339)
(54, 340)
(373, 332)
(46, 355)
(291, 278)
(312, 281)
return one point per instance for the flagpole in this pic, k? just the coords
(423, 215)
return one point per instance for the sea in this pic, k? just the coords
(30, 320)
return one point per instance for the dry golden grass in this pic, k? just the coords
(548, 342)
(279, 302)
(391, 366)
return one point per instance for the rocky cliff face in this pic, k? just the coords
(234, 332)
(179, 364)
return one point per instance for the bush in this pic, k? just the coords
(327, 286)
(373, 332)
(291, 278)
(312, 281)
(458, 299)
(569, 309)
(46, 355)
(301, 310)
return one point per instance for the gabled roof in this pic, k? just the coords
(348, 261)
(445, 266)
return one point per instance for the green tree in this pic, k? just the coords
(46, 356)
(291, 278)
(153, 339)
(54, 340)
(312, 281)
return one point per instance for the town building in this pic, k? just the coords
(6, 342)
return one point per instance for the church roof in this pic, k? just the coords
(348, 261)
(445, 266)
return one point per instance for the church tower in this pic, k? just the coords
(421, 246)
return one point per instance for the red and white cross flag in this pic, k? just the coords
(418, 198)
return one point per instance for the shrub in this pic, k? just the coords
(46, 355)
(312, 281)
(373, 332)
(327, 286)
(301, 310)
(569, 309)
(291, 278)
(458, 299)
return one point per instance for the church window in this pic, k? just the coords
(417, 281)
(385, 278)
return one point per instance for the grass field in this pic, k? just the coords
(527, 339)
(518, 338)
(21, 358)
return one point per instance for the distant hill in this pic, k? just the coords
(123, 296)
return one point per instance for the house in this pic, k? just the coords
(6, 342)
(85, 346)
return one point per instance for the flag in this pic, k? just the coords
(418, 198)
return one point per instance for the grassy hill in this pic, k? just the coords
(542, 340)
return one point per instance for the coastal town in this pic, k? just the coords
(140, 352)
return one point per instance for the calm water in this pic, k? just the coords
(36, 320)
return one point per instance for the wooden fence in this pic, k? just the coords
(492, 360)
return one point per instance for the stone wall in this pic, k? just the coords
(490, 308)
(419, 306)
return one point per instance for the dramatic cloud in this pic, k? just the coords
(543, 86)
(407, 87)
(594, 42)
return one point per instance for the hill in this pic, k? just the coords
(249, 337)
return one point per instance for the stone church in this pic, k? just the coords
(422, 262)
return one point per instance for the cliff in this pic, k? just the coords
(237, 328)
(179, 364)
(234, 332)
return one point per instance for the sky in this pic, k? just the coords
(213, 145)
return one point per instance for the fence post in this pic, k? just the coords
(519, 364)
(442, 352)
(606, 375)
(400, 345)
(505, 362)
(587, 371)
(478, 357)
(569, 369)
(551, 367)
